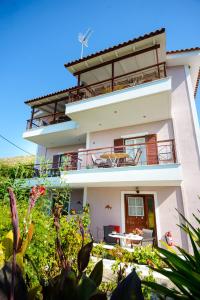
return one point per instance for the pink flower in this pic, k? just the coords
(35, 193)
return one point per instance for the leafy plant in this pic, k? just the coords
(13, 249)
(141, 255)
(183, 271)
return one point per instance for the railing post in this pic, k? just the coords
(78, 83)
(79, 80)
(165, 74)
(113, 75)
(32, 115)
(174, 151)
(55, 110)
(157, 61)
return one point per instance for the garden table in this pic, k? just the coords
(114, 157)
(127, 236)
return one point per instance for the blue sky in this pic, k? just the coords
(38, 36)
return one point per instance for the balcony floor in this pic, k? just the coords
(151, 175)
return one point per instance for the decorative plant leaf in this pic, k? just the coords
(84, 256)
(180, 281)
(97, 273)
(7, 244)
(20, 261)
(164, 290)
(20, 289)
(99, 296)
(196, 252)
(165, 245)
(174, 261)
(86, 288)
(27, 240)
(33, 292)
(128, 289)
(62, 286)
(188, 257)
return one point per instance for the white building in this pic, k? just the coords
(130, 132)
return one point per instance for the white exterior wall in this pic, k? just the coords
(163, 129)
(167, 199)
(48, 153)
(185, 131)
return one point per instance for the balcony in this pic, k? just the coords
(130, 79)
(46, 120)
(140, 97)
(146, 164)
(119, 82)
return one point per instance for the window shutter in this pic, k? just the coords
(74, 160)
(118, 143)
(151, 148)
(56, 161)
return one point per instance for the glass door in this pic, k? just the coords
(131, 148)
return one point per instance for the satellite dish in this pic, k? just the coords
(83, 39)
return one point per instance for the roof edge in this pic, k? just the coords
(140, 38)
(183, 50)
(50, 95)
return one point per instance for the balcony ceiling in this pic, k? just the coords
(145, 103)
(148, 40)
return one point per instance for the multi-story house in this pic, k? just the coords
(127, 136)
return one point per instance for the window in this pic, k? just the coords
(135, 206)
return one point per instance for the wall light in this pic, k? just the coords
(137, 190)
(108, 206)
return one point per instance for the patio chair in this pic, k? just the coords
(108, 239)
(36, 172)
(134, 161)
(100, 163)
(148, 237)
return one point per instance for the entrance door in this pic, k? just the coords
(139, 212)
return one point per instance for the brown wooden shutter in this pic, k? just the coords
(74, 160)
(152, 150)
(56, 161)
(117, 143)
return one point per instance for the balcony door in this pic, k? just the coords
(147, 143)
(132, 146)
(139, 212)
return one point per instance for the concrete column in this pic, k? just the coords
(85, 196)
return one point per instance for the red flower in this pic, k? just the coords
(35, 193)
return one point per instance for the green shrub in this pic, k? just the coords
(183, 271)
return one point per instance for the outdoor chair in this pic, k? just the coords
(148, 237)
(108, 239)
(100, 163)
(53, 172)
(134, 161)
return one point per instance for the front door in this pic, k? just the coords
(139, 212)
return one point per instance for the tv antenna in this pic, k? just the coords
(83, 39)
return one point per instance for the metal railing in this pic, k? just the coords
(119, 82)
(151, 153)
(46, 120)
(82, 92)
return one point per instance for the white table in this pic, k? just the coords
(126, 236)
(114, 157)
